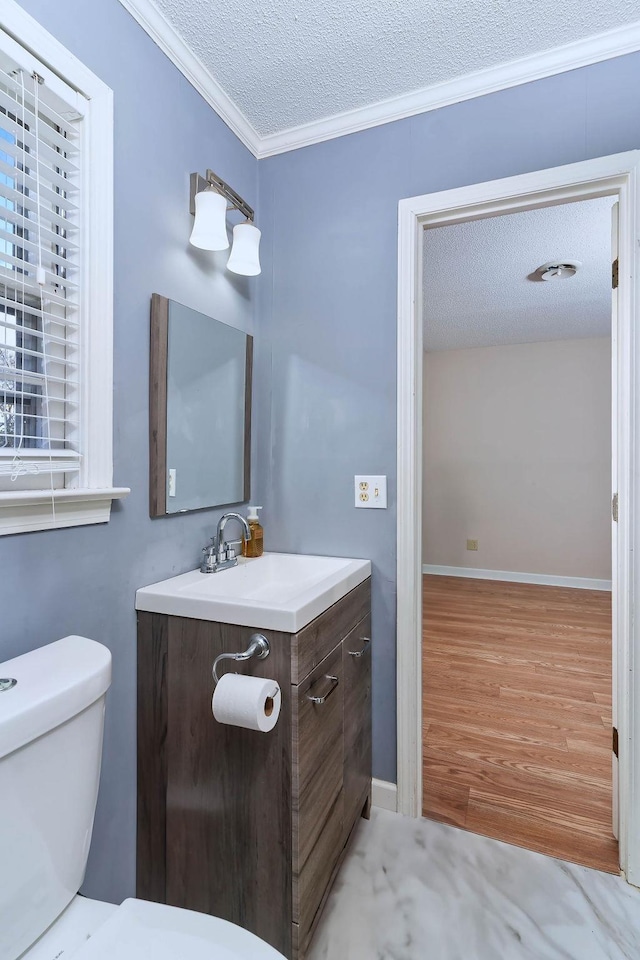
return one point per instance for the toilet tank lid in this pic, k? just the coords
(54, 683)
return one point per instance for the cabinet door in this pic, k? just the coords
(356, 665)
(317, 786)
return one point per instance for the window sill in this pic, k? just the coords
(24, 511)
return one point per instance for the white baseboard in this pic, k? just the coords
(384, 795)
(548, 580)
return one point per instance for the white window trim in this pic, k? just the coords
(27, 510)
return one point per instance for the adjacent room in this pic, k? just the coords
(517, 553)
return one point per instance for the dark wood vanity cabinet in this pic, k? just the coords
(247, 826)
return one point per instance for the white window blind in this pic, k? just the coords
(56, 283)
(41, 325)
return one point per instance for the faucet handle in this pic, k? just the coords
(232, 549)
(208, 558)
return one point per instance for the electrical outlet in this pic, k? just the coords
(172, 481)
(472, 544)
(371, 492)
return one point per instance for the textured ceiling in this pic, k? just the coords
(476, 287)
(290, 62)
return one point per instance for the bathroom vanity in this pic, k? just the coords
(249, 826)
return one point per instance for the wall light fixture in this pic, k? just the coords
(210, 201)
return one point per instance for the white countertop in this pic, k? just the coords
(278, 591)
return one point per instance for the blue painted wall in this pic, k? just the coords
(84, 580)
(327, 306)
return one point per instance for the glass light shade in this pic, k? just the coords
(210, 224)
(244, 257)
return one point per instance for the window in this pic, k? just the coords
(56, 191)
(40, 238)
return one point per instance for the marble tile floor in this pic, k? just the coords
(421, 890)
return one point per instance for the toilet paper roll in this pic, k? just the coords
(250, 702)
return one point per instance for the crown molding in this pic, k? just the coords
(570, 56)
(537, 66)
(171, 43)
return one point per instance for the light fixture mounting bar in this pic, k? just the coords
(211, 179)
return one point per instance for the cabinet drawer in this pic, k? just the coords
(318, 755)
(317, 640)
(356, 663)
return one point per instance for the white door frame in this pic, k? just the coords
(617, 176)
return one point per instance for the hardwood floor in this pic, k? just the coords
(517, 715)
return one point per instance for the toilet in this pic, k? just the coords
(51, 726)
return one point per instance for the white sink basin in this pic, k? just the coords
(278, 591)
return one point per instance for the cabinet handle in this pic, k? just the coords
(361, 653)
(334, 684)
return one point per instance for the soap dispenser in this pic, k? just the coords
(254, 546)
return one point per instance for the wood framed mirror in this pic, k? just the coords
(199, 411)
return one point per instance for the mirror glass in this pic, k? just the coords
(205, 370)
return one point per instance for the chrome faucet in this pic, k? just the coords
(219, 555)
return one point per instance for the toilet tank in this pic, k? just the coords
(51, 724)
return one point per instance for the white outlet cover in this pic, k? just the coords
(370, 492)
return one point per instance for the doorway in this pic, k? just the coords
(613, 176)
(517, 544)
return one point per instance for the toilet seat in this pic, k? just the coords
(140, 930)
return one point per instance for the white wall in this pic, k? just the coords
(517, 454)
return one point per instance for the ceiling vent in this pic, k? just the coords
(558, 269)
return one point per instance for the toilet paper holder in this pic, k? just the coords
(258, 647)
